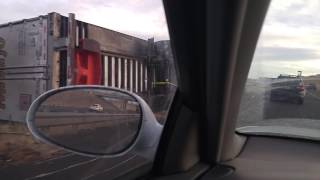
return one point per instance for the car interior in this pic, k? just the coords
(213, 44)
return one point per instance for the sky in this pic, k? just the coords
(141, 18)
(289, 41)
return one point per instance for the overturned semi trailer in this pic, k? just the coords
(53, 51)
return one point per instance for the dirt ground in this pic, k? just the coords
(17, 146)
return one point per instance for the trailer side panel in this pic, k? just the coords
(118, 43)
(24, 72)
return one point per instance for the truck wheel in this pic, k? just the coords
(271, 98)
(300, 101)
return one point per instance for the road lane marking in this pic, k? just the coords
(315, 96)
(106, 170)
(55, 158)
(61, 170)
(73, 165)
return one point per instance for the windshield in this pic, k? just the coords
(45, 45)
(282, 92)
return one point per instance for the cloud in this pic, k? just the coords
(142, 18)
(21, 9)
(285, 54)
(274, 68)
(289, 41)
(141, 23)
(295, 13)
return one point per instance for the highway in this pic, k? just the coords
(257, 110)
(71, 166)
(66, 165)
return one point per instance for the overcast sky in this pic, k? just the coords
(289, 42)
(142, 18)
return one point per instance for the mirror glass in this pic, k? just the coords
(91, 120)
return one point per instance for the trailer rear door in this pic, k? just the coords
(24, 71)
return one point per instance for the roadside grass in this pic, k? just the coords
(17, 146)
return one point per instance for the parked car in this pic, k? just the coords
(289, 90)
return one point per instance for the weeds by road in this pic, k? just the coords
(17, 146)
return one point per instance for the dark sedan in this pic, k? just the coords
(289, 90)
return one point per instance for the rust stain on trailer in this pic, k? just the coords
(2, 43)
(25, 101)
(22, 43)
(2, 64)
(118, 43)
(3, 53)
(54, 30)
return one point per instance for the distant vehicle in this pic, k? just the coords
(311, 87)
(290, 90)
(287, 76)
(96, 107)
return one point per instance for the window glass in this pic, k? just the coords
(282, 92)
(43, 47)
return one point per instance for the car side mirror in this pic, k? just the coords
(94, 121)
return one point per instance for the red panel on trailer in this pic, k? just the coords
(88, 68)
(88, 64)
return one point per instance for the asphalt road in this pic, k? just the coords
(71, 166)
(257, 110)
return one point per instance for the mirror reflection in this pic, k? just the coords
(90, 120)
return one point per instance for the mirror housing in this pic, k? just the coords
(144, 143)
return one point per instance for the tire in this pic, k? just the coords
(271, 99)
(300, 101)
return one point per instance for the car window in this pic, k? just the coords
(122, 44)
(282, 92)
